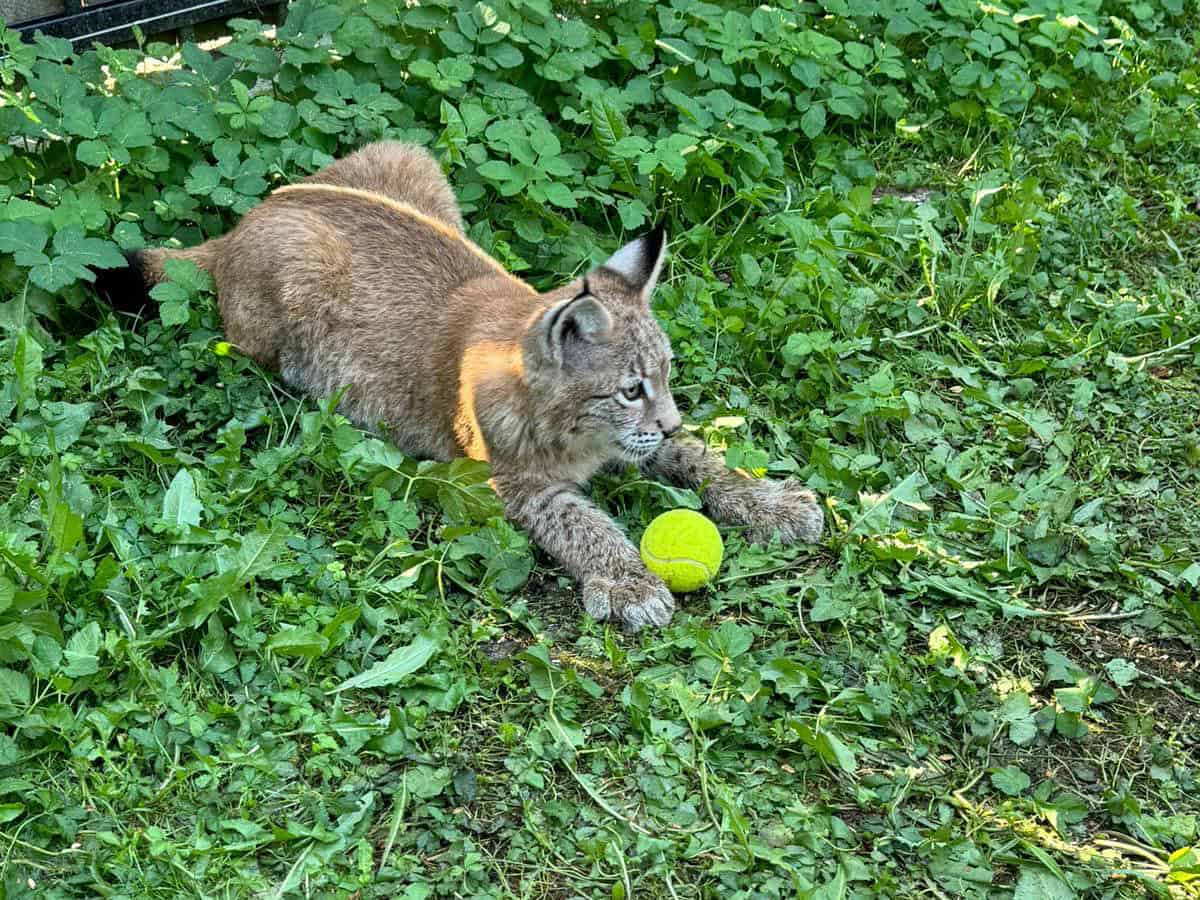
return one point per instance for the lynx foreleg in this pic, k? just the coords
(765, 507)
(615, 582)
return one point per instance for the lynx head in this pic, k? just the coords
(600, 361)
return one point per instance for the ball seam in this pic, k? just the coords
(671, 560)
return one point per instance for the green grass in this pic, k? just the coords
(939, 263)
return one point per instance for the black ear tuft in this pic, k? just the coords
(656, 240)
(640, 261)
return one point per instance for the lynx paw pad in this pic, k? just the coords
(635, 602)
(785, 508)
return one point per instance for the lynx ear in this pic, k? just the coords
(640, 261)
(581, 318)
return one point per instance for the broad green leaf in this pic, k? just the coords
(609, 127)
(72, 243)
(731, 640)
(631, 147)
(545, 676)
(66, 421)
(10, 811)
(257, 553)
(173, 308)
(545, 142)
(749, 269)
(64, 528)
(828, 608)
(1121, 671)
(304, 641)
(14, 688)
(207, 596)
(1011, 781)
(495, 170)
(202, 179)
(1061, 669)
(398, 665)
(559, 67)
(79, 121)
(676, 498)
(213, 70)
(858, 55)
(180, 505)
(10, 751)
(82, 654)
(74, 254)
(93, 153)
(1040, 884)
(25, 240)
(505, 55)
(426, 782)
(55, 48)
(279, 119)
(801, 344)
(633, 213)
(560, 195)
(27, 363)
(131, 129)
(1073, 700)
(816, 44)
(1087, 511)
(842, 754)
(788, 676)
(828, 746)
(216, 653)
(1022, 731)
(1192, 574)
(55, 274)
(812, 123)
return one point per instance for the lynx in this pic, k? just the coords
(361, 277)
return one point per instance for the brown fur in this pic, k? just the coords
(361, 276)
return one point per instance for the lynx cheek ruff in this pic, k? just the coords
(683, 548)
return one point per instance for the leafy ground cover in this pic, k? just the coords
(936, 260)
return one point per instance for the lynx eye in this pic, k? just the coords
(632, 393)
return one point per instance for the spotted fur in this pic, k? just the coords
(361, 277)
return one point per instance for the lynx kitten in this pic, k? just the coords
(361, 275)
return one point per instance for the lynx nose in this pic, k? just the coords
(670, 427)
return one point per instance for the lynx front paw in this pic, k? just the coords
(634, 601)
(783, 508)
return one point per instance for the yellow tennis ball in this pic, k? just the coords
(683, 548)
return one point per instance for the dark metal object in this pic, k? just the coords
(16, 11)
(112, 22)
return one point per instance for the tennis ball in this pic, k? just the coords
(683, 548)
